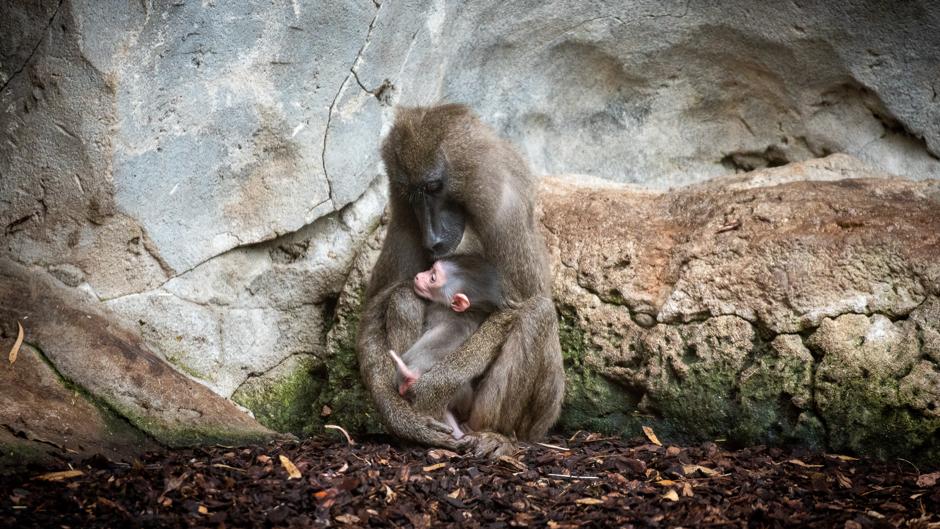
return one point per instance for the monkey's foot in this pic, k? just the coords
(491, 445)
(408, 377)
(452, 421)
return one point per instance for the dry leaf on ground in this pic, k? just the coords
(651, 436)
(289, 466)
(799, 463)
(589, 501)
(59, 476)
(928, 480)
(16, 345)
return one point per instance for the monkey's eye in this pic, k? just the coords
(433, 277)
(433, 186)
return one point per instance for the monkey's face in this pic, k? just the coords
(430, 283)
(423, 178)
(440, 218)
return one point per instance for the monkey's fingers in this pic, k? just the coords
(397, 359)
(438, 426)
(403, 368)
(465, 443)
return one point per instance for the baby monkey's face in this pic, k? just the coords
(430, 283)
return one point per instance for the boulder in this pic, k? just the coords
(209, 171)
(97, 369)
(781, 306)
(43, 417)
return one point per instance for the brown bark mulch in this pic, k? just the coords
(594, 482)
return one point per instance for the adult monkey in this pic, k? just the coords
(452, 179)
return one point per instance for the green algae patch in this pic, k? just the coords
(874, 390)
(344, 400)
(775, 396)
(285, 398)
(18, 453)
(591, 402)
(182, 367)
(864, 416)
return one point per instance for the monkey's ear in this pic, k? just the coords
(460, 303)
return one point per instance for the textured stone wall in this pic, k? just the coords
(208, 172)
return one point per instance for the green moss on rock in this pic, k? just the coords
(775, 395)
(591, 402)
(349, 404)
(285, 399)
(874, 393)
(865, 417)
(185, 368)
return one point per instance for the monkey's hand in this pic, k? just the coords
(406, 376)
(438, 385)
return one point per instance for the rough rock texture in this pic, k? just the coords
(41, 417)
(755, 308)
(672, 92)
(798, 304)
(209, 170)
(101, 363)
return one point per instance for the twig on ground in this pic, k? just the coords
(566, 476)
(340, 428)
(556, 447)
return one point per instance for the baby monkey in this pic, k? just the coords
(463, 291)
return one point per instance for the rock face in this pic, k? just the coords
(209, 171)
(760, 308)
(42, 418)
(798, 304)
(673, 92)
(101, 389)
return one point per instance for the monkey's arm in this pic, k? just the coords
(434, 345)
(392, 319)
(471, 359)
(511, 357)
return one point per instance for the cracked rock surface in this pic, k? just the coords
(208, 172)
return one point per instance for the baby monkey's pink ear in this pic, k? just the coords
(460, 303)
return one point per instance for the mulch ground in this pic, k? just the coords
(587, 481)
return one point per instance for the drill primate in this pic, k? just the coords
(452, 181)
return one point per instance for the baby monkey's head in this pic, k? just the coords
(462, 282)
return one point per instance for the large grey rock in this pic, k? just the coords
(210, 170)
(666, 93)
(244, 312)
(222, 144)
